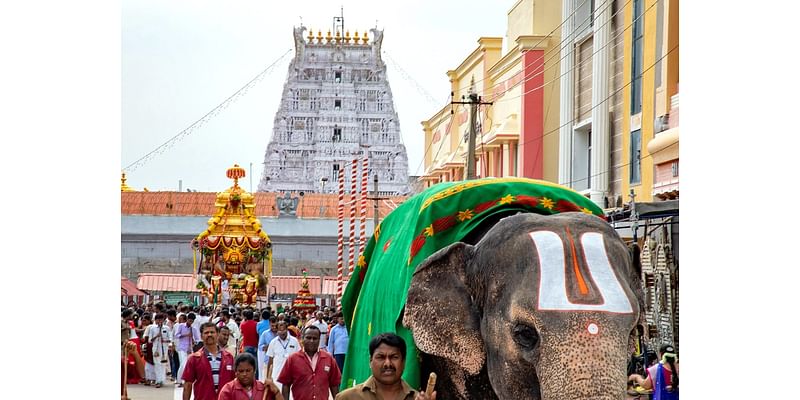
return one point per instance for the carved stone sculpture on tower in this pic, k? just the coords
(299, 42)
(376, 45)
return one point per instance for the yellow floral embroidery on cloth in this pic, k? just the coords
(471, 184)
(464, 215)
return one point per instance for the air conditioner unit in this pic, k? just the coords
(661, 123)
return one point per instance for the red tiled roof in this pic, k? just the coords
(167, 282)
(312, 205)
(130, 289)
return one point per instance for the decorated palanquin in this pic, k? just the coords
(304, 301)
(425, 223)
(235, 253)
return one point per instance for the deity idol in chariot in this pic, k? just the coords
(235, 253)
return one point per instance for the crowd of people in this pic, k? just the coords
(224, 353)
(165, 335)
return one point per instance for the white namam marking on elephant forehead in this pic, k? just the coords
(593, 329)
(553, 270)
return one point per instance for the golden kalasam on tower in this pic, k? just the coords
(235, 253)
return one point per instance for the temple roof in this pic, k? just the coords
(311, 205)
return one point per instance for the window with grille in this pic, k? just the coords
(636, 57)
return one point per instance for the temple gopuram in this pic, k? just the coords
(337, 106)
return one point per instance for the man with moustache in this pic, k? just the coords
(387, 360)
(208, 369)
(264, 341)
(310, 374)
(279, 350)
(225, 339)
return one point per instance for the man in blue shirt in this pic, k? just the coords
(263, 325)
(338, 341)
(263, 344)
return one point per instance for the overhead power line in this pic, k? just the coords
(575, 67)
(205, 118)
(568, 37)
(611, 95)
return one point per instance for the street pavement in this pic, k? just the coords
(166, 392)
(170, 392)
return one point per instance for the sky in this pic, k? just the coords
(182, 59)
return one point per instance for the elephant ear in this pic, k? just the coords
(440, 311)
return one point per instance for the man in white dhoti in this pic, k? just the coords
(158, 338)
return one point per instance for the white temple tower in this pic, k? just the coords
(337, 106)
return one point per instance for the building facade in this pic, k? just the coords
(446, 132)
(651, 102)
(590, 159)
(518, 132)
(336, 107)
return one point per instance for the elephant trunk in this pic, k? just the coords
(584, 374)
(574, 383)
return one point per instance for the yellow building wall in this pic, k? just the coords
(525, 18)
(643, 190)
(672, 36)
(540, 18)
(520, 21)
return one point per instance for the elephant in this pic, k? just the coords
(532, 307)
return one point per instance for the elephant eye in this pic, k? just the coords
(525, 336)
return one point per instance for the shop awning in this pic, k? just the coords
(647, 210)
(657, 209)
(130, 289)
(167, 282)
(330, 287)
(289, 285)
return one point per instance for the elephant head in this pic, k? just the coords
(542, 307)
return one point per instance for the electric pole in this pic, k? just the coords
(375, 199)
(474, 102)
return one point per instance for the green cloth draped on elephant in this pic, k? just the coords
(470, 341)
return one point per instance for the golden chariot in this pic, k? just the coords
(235, 253)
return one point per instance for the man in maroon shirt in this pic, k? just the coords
(208, 369)
(249, 334)
(310, 374)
